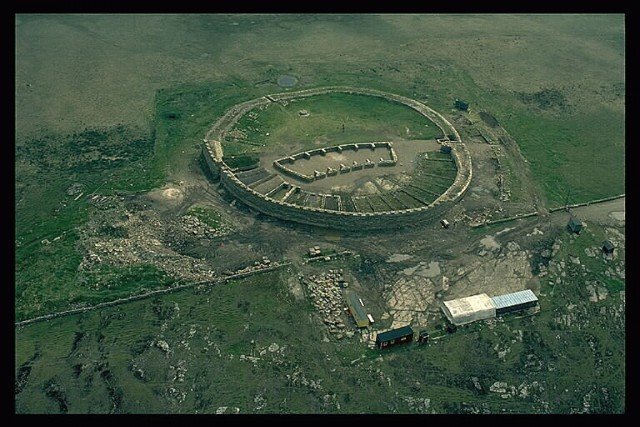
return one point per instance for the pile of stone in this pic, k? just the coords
(315, 251)
(326, 296)
(119, 236)
(75, 189)
(480, 217)
(193, 225)
(523, 391)
(265, 262)
(316, 255)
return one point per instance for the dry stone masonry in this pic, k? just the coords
(270, 194)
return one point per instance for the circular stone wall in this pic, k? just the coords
(271, 193)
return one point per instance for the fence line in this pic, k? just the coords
(530, 214)
(148, 294)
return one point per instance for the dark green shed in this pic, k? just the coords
(403, 335)
(461, 105)
(575, 225)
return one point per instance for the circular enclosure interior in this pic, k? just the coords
(340, 157)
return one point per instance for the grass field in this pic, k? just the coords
(102, 161)
(110, 360)
(365, 119)
(580, 156)
(110, 104)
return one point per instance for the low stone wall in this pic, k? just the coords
(280, 163)
(351, 221)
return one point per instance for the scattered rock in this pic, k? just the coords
(162, 345)
(513, 246)
(274, 347)
(498, 387)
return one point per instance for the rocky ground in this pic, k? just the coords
(125, 232)
(326, 293)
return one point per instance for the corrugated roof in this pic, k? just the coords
(394, 333)
(516, 298)
(469, 309)
(473, 303)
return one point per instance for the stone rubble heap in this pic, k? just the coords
(257, 265)
(117, 235)
(193, 225)
(326, 295)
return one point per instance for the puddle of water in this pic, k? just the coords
(287, 81)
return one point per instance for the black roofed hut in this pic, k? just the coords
(403, 335)
(607, 247)
(575, 225)
(461, 105)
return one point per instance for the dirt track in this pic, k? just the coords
(599, 212)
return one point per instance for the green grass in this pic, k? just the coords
(580, 154)
(562, 151)
(432, 175)
(116, 160)
(183, 116)
(592, 237)
(365, 119)
(261, 309)
(231, 315)
(103, 161)
(580, 150)
(209, 216)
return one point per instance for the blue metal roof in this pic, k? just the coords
(509, 300)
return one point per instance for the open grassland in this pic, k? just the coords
(251, 344)
(120, 104)
(55, 178)
(580, 157)
(333, 119)
(575, 134)
(105, 161)
(555, 82)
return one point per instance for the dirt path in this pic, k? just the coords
(598, 212)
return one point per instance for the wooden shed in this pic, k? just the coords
(403, 335)
(356, 308)
(575, 225)
(461, 105)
